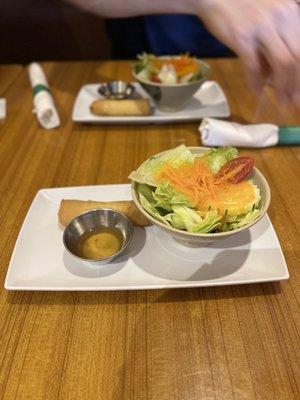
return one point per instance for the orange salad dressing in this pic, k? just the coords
(183, 65)
(199, 185)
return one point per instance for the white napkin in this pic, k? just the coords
(215, 132)
(43, 101)
(2, 108)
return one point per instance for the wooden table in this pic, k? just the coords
(239, 342)
(8, 74)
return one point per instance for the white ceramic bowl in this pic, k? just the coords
(205, 239)
(172, 98)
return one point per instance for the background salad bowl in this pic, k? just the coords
(205, 239)
(172, 97)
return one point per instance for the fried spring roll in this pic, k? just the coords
(126, 107)
(69, 209)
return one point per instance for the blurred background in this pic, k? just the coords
(43, 30)
(49, 30)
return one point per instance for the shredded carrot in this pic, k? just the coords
(183, 65)
(196, 181)
(206, 192)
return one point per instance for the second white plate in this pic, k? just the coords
(153, 261)
(208, 101)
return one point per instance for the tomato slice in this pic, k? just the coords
(155, 78)
(236, 170)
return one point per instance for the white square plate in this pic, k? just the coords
(153, 261)
(208, 101)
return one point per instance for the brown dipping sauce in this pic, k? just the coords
(100, 243)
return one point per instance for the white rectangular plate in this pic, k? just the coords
(208, 101)
(154, 260)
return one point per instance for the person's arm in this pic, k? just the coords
(131, 8)
(265, 34)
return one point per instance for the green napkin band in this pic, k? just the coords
(39, 88)
(289, 135)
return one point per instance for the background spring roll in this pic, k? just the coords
(126, 107)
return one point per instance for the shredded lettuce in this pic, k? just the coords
(216, 158)
(178, 216)
(144, 63)
(240, 220)
(193, 221)
(165, 197)
(152, 210)
(148, 171)
(146, 68)
(183, 217)
(146, 191)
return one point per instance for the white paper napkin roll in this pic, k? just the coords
(2, 108)
(43, 101)
(215, 132)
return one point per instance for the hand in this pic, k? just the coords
(265, 34)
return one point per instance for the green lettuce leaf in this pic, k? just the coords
(152, 210)
(189, 219)
(176, 221)
(146, 191)
(144, 63)
(148, 171)
(165, 197)
(216, 158)
(240, 220)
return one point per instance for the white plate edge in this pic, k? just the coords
(151, 119)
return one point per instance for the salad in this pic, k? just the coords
(199, 193)
(167, 70)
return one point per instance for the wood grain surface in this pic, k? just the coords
(8, 74)
(238, 342)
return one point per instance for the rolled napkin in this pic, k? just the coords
(43, 101)
(2, 108)
(215, 132)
